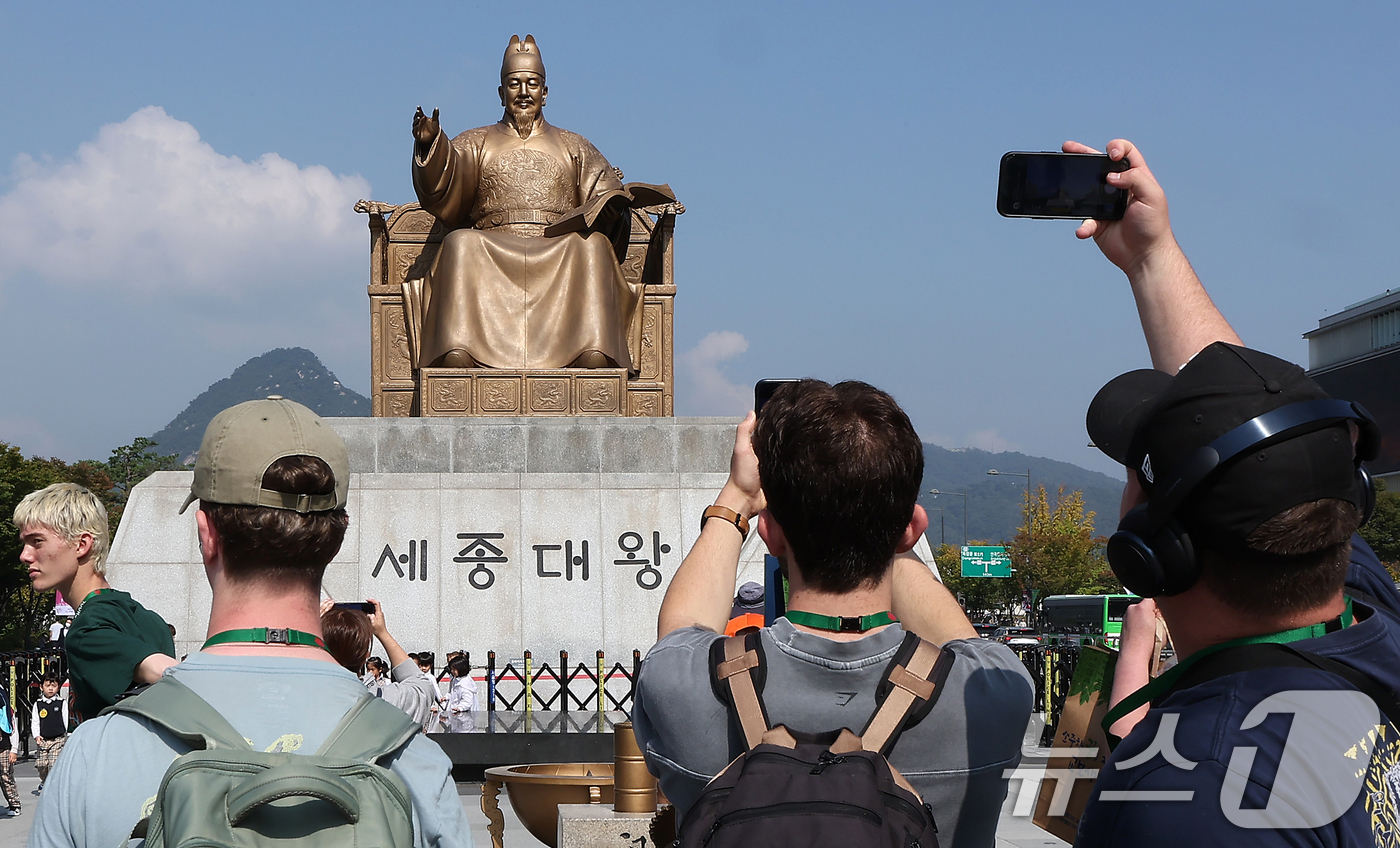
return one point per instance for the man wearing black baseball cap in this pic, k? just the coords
(1245, 489)
(271, 482)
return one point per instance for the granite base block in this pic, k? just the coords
(599, 826)
(503, 534)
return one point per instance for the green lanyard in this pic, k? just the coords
(841, 623)
(90, 595)
(1163, 684)
(267, 635)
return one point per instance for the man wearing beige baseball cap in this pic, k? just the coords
(271, 481)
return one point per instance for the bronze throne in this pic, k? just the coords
(403, 242)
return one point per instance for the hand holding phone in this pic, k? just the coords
(365, 607)
(1060, 185)
(764, 389)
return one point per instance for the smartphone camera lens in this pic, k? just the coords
(1016, 205)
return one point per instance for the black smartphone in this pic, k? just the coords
(764, 389)
(361, 606)
(1060, 185)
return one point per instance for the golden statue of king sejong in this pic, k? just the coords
(528, 274)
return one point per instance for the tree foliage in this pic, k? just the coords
(984, 598)
(1382, 532)
(130, 464)
(23, 612)
(1056, 551)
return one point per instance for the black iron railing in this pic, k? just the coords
(563, 687)
(21, 674)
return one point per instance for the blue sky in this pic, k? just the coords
(176, 182)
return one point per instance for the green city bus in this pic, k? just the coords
(1090, 615)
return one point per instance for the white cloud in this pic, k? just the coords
(711, 392)
(990, 441)
(148, 206)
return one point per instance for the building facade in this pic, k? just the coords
(1355, 354)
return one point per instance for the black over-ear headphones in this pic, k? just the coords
(1153, 554)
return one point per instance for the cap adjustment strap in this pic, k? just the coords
(302, 503)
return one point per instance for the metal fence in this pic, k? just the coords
(524, 684)
(527, 685)
(1052, 669)
(21, 673)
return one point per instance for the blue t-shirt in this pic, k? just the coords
(1270, 756)
(111, 768)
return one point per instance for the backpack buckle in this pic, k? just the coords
(850, 624)
(277, 635)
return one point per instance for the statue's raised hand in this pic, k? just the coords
(425, 129)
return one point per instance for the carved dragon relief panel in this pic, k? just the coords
(412, 221)
(649, 368)
(599, 396)
(449, 395)
(410, 261)
(397, 365)
(642, 404)
(548, 394)
(399, 404)
(498, 394)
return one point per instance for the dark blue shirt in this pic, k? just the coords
(1333, 751)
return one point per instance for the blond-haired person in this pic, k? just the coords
(113, 642)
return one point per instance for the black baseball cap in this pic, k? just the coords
(1152, 422)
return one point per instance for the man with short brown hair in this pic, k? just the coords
(271, 481)
(831, 474)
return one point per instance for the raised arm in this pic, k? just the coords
(1178, 317)
(924, 606)
(702, 591)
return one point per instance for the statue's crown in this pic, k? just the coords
(522, 56)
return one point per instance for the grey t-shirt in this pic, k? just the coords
(954, 757)
(107, 777)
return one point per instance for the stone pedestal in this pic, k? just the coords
(599, 826)
(504, 534)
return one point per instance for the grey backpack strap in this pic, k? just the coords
(368, 731)
(175, 707)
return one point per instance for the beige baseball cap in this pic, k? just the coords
(243, 440)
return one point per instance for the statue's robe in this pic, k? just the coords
(499, 289)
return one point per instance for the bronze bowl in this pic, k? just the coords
(537, 790)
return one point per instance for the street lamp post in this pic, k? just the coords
(1030, 538)
(962, 495)
(941, 539)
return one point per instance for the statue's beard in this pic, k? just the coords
(524, 117)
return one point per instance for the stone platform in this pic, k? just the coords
(501, 534)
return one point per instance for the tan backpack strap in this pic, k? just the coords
(736, 670)
(846, 742)
(911, 683)
(780, 736)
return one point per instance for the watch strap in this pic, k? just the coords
(730, 516)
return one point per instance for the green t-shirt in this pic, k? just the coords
(108, 639)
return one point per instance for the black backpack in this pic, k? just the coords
(831, 789)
